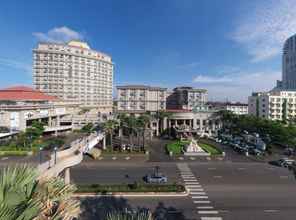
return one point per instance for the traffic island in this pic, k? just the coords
(132, 190)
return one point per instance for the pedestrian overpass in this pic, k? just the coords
(61, 161)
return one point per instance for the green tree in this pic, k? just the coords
(23, 197)
(142, 123)
(109, 127)
(88, 128)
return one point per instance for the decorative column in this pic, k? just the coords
(67, 176)
(104, 143)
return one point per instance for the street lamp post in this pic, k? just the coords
(55, 155)
(40, 155)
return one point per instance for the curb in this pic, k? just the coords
(150, 194)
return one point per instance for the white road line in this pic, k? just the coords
(241, 168)
(195, 186)
(204, 207)
(284, 177)
(190, 180)
(188, 176)
(207, 212)
(197, 193)
(201, 202)
(217, 176)
(192, 184)
(212, 168)
(211, 218)
(271, 210)
(199, 197)
(194, 190)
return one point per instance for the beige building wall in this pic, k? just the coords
(74, 73)
(141, 98)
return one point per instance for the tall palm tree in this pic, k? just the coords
(142, 122)
(109, 128)
(23, 197)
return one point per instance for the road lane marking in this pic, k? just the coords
(196, 190)
(193, 186)
(190, 180)
(4, 158)
(217, 176)
(211, 218)
(271, 210)
(197, 193)
(212, 168)
(241, 168)
(199, 197)
(284, 177)
(114, 158)
(201, 202)
(204, 207)
(208, 212)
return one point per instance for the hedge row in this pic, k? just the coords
(96, 188)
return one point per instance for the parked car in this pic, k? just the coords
(255, 151)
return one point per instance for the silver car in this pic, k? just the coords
(156, 178)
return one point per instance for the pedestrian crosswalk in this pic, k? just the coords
(197, 194)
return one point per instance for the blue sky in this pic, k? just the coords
(229, 47)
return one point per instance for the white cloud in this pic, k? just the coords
(263, 31)
(11, 63)
(59, 35)
(237, 87)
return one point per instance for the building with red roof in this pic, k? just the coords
(21, 105)
(23, 93)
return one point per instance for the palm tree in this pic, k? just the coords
(17, 192)
(142, 122)
(23, 197)
(109, 128)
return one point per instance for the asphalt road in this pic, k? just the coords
(233, 191)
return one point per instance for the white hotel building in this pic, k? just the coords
(75, 73)
(274, 105)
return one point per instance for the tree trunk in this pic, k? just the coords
(111, 139)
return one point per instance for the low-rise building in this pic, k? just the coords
(274, 105)
(186, 98)
(201, 121)
(140, 98)
(20, 106)
(235, 107)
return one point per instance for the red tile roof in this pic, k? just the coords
(17, 93)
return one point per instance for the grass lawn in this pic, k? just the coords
(210, 149)
(176, 147)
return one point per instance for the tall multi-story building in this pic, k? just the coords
(75, 73)
(274, 105)
(186, 98)
(140, 98)
(289, 64)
